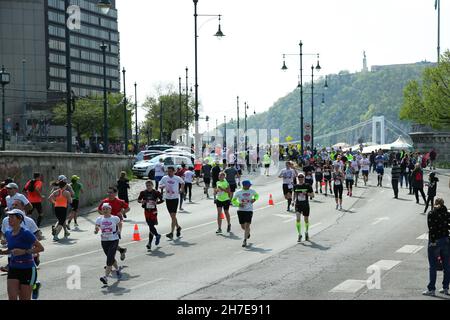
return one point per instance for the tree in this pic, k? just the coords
(428, 103)
(170, 101)
(87, 118)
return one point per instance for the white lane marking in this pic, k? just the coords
(423, 237)
(378, 220)
(284, 215)
(370, 200)
(290, 219)
(386, 264)
(350, 286)
(147, 283)
(409, 249)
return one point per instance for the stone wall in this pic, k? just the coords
(97, 171)
(440, 141)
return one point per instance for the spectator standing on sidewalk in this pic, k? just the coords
(395, 176)
(417, 182)
(433, 156)
(438, 246)
(432, 188)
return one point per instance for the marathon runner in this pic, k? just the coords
(327, 174)
(13, 194)
(150, 198)
(379, 164)
(231, 175)
(33, 189)
(61, 199)
(215, 171)
(288, 175)
(174, 187)
(319, 176)
(365, 168)
(355, 165)
(244, 199)
(206, 171)
(302, 191)
(159, 172)
(180, 173)
(188, 180)
(349, 179)
(119, 208)
(111, 227)
(338, 186)
(223, 198)
(77, 189)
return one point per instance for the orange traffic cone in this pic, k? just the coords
(271, 201)
(222, 216)
(136, 235)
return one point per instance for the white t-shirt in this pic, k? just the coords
(245, 197)
(288, 176)
(365, 164)
(159, 170)
(27, 224)
(17, 196)
(109, 227)
(171, 187)
(339, 164)
(355, 165)
(188, 176)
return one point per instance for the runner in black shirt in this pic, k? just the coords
(215, 175)
(302, 191)
(206, 171)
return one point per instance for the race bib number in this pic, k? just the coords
(337, 182)
(290, 186)
(301, 197)
(150, 205)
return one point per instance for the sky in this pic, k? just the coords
(157, 44)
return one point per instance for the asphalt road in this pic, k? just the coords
(203, 265)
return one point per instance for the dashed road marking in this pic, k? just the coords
(409, 249)
(147, 283)
(423, 237)
(386, 265)
(350, 286)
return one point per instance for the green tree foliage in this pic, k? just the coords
(87, 118)
(350, 99)
(428, 102)
(170, 102)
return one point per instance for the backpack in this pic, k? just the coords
(419, 176)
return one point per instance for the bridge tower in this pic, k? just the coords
(375, 121)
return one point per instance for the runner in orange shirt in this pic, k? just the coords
(33, 192)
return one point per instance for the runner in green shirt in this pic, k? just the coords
(222, 192)
(77, 189)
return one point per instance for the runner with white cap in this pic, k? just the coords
(244, 199)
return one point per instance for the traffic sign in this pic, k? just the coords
(307, 127)
(307, 138)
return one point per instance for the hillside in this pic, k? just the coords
(350, 99)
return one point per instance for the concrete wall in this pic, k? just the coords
(97, 172)
(440, 141)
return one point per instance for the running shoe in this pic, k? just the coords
(299, 238)
(66, 234)
(244, 243)
(219, 231)
(444, 291)
(179, 232)
(149, 245)
(104, 280)
(53, 230)
(430, 293)
(337, 207)
(340, 207)
(68, 226)
(158, 238)
(76, 225)
(229, 228)
(248, 236)
(170, 236)
(36, 287)
(321, 191)
(306, 237)
(122, 254)
(119, 274)
(55, 238)
(125, 216)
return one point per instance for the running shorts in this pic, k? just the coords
(302, 208)
(327, 178)
(380, 171)
(198, 173)
(151, 215)
(26, 277)
(75, 204)
(240, 172)
(223, 204)
(172, 205)
(214, 183)
(37, 206)
(245, 216)
(319, 177)
(207, 181)
(365, 173)
(110, 248)
(267, 166)
(233, 187)
(158, 178)
(286, 189)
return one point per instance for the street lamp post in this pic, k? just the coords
(237, 132)
(5, 78)
(125, 125)
(105, 102)
(218, 34)
(68, 77)
(136, 117)
(225, 132)
(312, 109)
(160, 122)
(181, 111)
(438, 7)
(187, 107)
(245, 129)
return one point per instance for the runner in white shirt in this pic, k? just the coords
(13, 194)
(110, 227)
(171, 184)
(188, 179)
(365, 168)
(244, 199)
(355, 166)
(288, 176)
(159, 172)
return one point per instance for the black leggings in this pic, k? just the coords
(416, 193)
(61, 215)
(338, 190)
(188, 190)
(430, 199)
(153, 231)
(348, 184)
(110, 248)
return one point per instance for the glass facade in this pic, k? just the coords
(86, 55)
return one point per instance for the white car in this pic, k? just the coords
(146, 168)
(147, 155)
